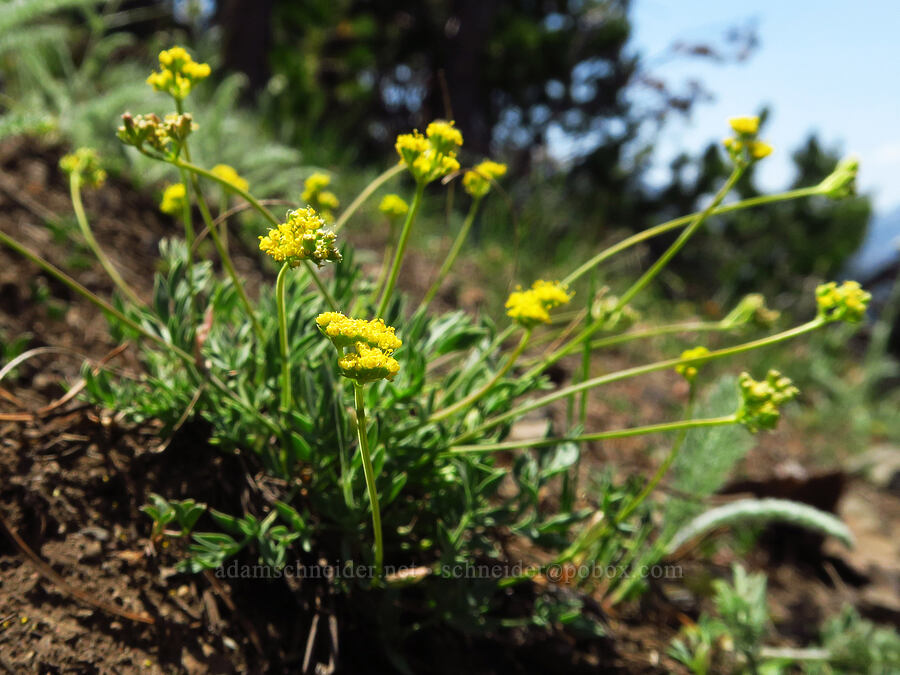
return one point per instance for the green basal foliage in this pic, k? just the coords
(376, 421)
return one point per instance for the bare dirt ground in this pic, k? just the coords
(82, 591)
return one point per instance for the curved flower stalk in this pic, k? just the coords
(477, 183)
(302, 238)
(83, 167)
(366, 349)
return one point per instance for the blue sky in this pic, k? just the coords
(830, 67)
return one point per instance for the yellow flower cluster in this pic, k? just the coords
(847, 302)
(369, 346)
(178, 73)
(689, 370)
(85, 163)
(433, 157)
(760, 399)
(315, 194)
(173, 199)
(477, 182)
(230, 176)
(160, 134)
(745, 146)
(302, 237)
(530, 307)
(393, 206)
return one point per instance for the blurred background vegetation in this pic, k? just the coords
(549, 86)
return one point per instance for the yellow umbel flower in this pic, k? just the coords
(315, 195)
(745, 126)
(230, 176)
(689, 370)
(368, 364)
(302, 237)
(760, 400)
(178, 73)
(433, 157)
(369, 346)
(393, 206)
(847, 302)
(345, 332)
(314, 185)
(531, 307)
(86, 164)
(444, 136)
(477, 182)
(173, 199)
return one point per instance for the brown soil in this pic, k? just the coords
(82, 589)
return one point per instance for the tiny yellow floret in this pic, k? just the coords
(230, 176)
(444, 136)
(689, 370)
(759, 149)
(477, 182)
(393, 206)
(745, 126)
(173, 199)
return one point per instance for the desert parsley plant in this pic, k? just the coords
(380, 423)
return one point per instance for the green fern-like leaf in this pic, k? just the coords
(763, 510)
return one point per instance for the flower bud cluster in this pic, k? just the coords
(751, 310)
(761, 399)
(84, 163)
(847, 302)
(165, 136)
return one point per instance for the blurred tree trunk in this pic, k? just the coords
(247, 38)
(467, 31)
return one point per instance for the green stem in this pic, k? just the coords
(367, 192)
(647, 276)
(401, 249)
(474, 396)
(452, 255)
(674, 224)
(609, 378)
(84, 225)
(226, 261)
(600, 436)
(663, 468)
(332, 303)
(189, 239)
(258, 206)
(286, 398)
(670, 329)
(369, 472)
